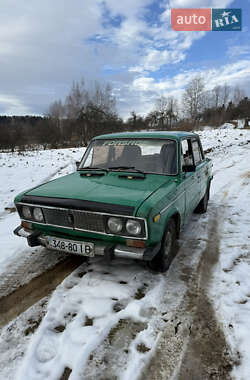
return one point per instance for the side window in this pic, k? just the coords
(186, 153)
(196, 152)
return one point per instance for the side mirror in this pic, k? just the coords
(77, 164)
(188, 168)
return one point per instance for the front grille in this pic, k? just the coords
(88, 221)
(57, 217)
(82, 220)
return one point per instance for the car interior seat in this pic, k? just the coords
(130, 156)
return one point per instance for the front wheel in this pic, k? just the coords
(163, 259)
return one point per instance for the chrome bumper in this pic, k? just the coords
(101, 248)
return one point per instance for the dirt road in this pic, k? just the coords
(197, 348)
(140, 324)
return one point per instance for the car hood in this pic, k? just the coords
(111, 188)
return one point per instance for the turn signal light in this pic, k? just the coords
(157, 218)
(26, 225)
(136, 243)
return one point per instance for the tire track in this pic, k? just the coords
(112, 355)
(25, 296)
(31, 263)
(193, 345)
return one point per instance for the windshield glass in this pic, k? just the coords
(147, 155)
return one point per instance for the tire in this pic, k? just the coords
(202, 206)
(161, 262)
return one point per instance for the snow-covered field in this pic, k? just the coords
(108, 320)
(19, 172)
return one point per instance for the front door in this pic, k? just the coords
(191, 179)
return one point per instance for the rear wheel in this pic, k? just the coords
(163, 259)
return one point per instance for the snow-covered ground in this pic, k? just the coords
(105, 320)
(21, 171)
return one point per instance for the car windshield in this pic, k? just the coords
(145, 155)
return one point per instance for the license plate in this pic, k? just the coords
(71, 246)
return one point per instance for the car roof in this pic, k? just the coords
(148, 134)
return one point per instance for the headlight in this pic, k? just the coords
(115, 225)
(38, 214)
(26, 211)
(133, 227)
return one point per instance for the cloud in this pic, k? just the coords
(144, 91)
(45, 46)
(41, 47)
(238, 51)
(11, 105)
(199, 4)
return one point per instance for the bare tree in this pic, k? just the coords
(165, 112)
(225, 94)
(217, 92)
(80, 97)
(133, 118)
(56, 110)
(86, 111)
(193, 97)
(173, 110)
(152, 119)
(104, 98)
(56, 113)
(208, 99)
(77, 98)
(238, 95)
(216, 97)
(161, 107)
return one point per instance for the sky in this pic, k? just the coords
(46, 45)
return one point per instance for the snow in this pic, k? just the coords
(231, 285)
(220, 140)
(227, 126)
(80, 299)
(19, 172)
(15, 338)
(90, 303)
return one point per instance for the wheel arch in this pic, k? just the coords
(177, 219)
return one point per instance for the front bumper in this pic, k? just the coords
(102, 248)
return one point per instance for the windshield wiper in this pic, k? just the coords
(93, 168)
(127, 168)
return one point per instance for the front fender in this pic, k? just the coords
(160, 203)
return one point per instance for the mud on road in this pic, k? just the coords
(23, 307)
(190, 341)
(197, 348)
(39, 287)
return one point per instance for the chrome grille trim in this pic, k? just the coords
(78, 217)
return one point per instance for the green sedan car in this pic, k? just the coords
(129, 198)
